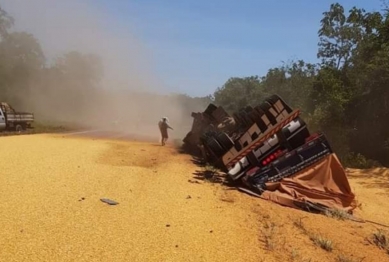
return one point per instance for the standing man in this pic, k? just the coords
(163, 127)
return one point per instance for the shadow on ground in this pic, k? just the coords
(206, 173)
(209, 176)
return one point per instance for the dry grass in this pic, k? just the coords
(295, 255)
(317, 239)
(344, 258)
(337, 214)
(300, 225)
(381, 239)
(269, 233)
(322, 242)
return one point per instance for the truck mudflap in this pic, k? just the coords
(316, 148)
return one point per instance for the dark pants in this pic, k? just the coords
(164, 135)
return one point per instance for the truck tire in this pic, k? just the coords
(261, 124)
(254, 116)
(237, 119)
(265, 106)
(274, 98)
(225, 141)
(248, 109)
(247, 121)
(18, 128)
(215, 146)
(209, 110)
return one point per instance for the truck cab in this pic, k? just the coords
(13, 120)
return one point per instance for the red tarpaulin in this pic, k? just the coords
(323, 183)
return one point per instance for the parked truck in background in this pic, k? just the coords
(12, 120)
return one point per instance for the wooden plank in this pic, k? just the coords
(270, 132)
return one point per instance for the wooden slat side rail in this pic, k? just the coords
(263, 138)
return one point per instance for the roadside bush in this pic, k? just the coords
(357, 160)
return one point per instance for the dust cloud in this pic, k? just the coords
(129, 98)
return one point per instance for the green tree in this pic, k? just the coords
(21, 59)
(6, 22)
(369, 110)
(293, 82)
(237, 93)
(338, 36)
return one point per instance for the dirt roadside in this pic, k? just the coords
(51, 186)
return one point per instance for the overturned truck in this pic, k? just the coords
(262, 145)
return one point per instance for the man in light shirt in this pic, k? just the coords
(163, 127)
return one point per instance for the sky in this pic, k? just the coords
(195, 46)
